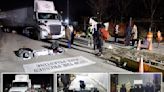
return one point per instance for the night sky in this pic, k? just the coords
(79, 8)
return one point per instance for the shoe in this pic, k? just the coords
(101, 55)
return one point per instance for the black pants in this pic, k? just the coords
(95, 43)
(133, 41)
(115, 38)
(127, 40)
(100, 45)
(72, 37)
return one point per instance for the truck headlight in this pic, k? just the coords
(42, 28)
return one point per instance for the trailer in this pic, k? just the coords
(41, 20)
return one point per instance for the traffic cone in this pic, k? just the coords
(139, 45)
(141, 65)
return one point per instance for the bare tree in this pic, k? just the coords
(99, 7)
(151, 6)
(122, 7)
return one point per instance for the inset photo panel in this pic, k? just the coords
(82, 82)
(145, 82)
(27, 82)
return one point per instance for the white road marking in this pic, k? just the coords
(57, 65)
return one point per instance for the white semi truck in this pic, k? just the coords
(21, 83)
(40, 20)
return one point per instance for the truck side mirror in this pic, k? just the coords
(59, 17)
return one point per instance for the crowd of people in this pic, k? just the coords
(149, 87)
(98, 34)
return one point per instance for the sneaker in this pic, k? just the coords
(101, 55)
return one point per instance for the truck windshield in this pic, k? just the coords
(48, 16)
(20, 84)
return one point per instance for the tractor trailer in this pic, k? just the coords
(41, 20)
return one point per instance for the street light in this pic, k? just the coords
(66, 21)
(98, 16)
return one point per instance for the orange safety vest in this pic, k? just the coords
(105, 34)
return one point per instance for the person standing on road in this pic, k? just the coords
(65, 79)
(123, 88)
(90, 35)
(134, 34)
(72, 33)
(159, 37)
(128, 35)
(95, 37)
(68, 35)
(100, 39)
(116, 32)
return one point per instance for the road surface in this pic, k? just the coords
(9, 62)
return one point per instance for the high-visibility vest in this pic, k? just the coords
(105, 34)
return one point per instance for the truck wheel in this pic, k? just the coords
(26, 32)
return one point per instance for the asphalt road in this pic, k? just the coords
(9, 62)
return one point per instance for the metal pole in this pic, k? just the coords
(68, 9)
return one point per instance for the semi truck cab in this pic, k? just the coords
(48, 20)
(21, 83)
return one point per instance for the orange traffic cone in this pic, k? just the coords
(141, 65)
(139, 45)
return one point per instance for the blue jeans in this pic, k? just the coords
(69, 44)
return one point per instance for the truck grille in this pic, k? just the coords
(55, 29)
